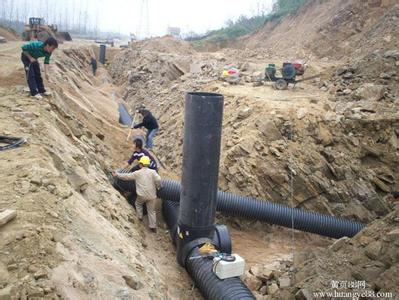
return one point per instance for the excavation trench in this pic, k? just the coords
(195, 219)
(85, 110)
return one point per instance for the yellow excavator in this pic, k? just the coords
(37, 29)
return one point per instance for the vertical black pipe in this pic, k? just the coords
(201, 153)
(102, 54)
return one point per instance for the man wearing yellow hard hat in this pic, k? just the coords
(147, 183)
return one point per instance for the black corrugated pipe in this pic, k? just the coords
(195, 224)
(199, 267)
(221, 237)
(211, 287)
(124, 116)
(273, 213)
(102, 54)
(203, 113)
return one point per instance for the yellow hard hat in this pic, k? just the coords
(145, 160)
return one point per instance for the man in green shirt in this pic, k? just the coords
(30, 53)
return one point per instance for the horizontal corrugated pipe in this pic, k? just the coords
(273, 213)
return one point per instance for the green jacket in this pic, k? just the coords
(36, 50)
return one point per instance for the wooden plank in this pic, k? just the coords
(6, 216)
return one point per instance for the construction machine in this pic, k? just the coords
(287, 75)
(38, 29)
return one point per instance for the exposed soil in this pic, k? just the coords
(329, 144)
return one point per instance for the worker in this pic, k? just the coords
(150, 123)
(139, 152)
(147, 183)
(30, 53)
(93, 64)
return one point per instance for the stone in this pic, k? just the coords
(244, 113)
(284, 282)
(6, 216)
(4, 276)
(5, 294)
(257, 83)
(301, 113)
(36, 179)
(381, 185)
(392, 54)
(133, 282)
(40, 274)
(347, 91)
(272, 289)
(12, 267)
(24, 188)
(348, 75)
(35, 291)
(303, 294)
(256, 270)
(269, 130)
(324, 136)
(373, 250)
(75, 128)
(100, 136)
(267, 274)
(385, 76)
(252, 281)
(341, 70)
(263, 290)
(32, 269)
(244, 67)
(339, 243)
(64, 191)
(257, 76)
(393, 235)
(370, 92)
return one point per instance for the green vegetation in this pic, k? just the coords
(245, 25)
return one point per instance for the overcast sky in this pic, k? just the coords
(195, 15)
(125, 15)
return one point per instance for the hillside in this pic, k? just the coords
(331, 29)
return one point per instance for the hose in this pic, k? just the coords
(273, 213)
(12, 142)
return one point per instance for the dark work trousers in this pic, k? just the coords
(33, 76)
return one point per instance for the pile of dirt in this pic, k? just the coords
(74, 235)
(373, 77)
(331, 29)
(165, 44)
(8, 34)
(366, 264)
(370, 258)
(132, 67)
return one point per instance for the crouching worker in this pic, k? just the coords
(139, 152)
(147, 183)
(30, 53)
(150, 123)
